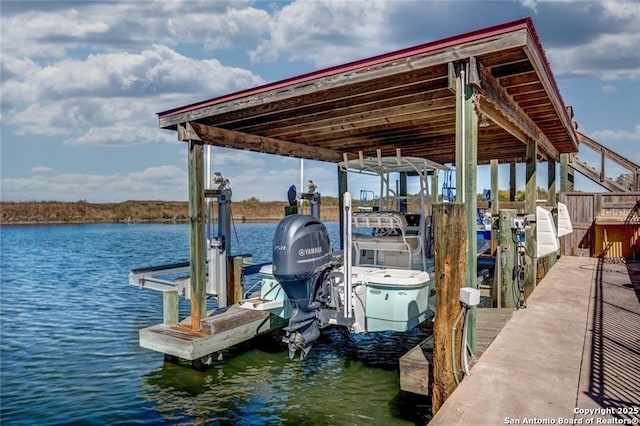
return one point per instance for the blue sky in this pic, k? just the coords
(81, 81)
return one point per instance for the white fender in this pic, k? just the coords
(546, 236)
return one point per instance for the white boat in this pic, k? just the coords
(382, 281)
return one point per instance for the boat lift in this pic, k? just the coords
(218, 248)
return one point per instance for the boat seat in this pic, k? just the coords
(392, 221)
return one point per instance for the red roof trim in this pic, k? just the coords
(391, 56)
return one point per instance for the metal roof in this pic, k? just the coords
(399, 100)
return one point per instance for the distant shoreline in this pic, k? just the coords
(138, 212)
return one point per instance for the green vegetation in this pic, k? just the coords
(140, 212)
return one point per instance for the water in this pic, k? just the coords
(69, 343)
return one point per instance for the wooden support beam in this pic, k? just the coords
(450, 269)
(197, 234)
(531, 194)
(509, 292)
(211, 135)
(499, 106)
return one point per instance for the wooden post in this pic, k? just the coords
(170, 307)
(466, 180)
(434, 187)
(342, 188)
(495, 209)
(552, 199)
(566, 174)
(495, 204)
(531, 194)
(197, 234)
(234, 280)
(509, 292)
(450, 270)
(512, 181)
(603, 156)
(471, 187)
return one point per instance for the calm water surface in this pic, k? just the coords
(69, 343)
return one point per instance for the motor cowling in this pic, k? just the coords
(301, 257)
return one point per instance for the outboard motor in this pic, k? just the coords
(301, 258)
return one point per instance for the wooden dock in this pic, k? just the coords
(575, 348)
(415, 365)
(221, 329)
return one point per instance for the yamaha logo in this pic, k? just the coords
(308, 251)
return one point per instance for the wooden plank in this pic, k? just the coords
(490, 323)
(416, 368)
(229, 327)
(450, 270)
(232, 139)
(350, 106)
(390, 114)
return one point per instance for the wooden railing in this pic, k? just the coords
(627, 177)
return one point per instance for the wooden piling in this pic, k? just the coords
(234, 281)
(170, 307)
(552, 201)
(450, 269)
(197, 234)
(509, 292)
(531, 194)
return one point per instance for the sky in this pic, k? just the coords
(81, 82)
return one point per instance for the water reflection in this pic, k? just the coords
(334, 385)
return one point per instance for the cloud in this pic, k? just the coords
(36, 31)
(122, 135)
(325, 32)
(620, 134)
(581, 38)
(41, 169)
(608, 89)
(94, 99)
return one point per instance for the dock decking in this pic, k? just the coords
(415, 364)
(575, 348)
(220, 330)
